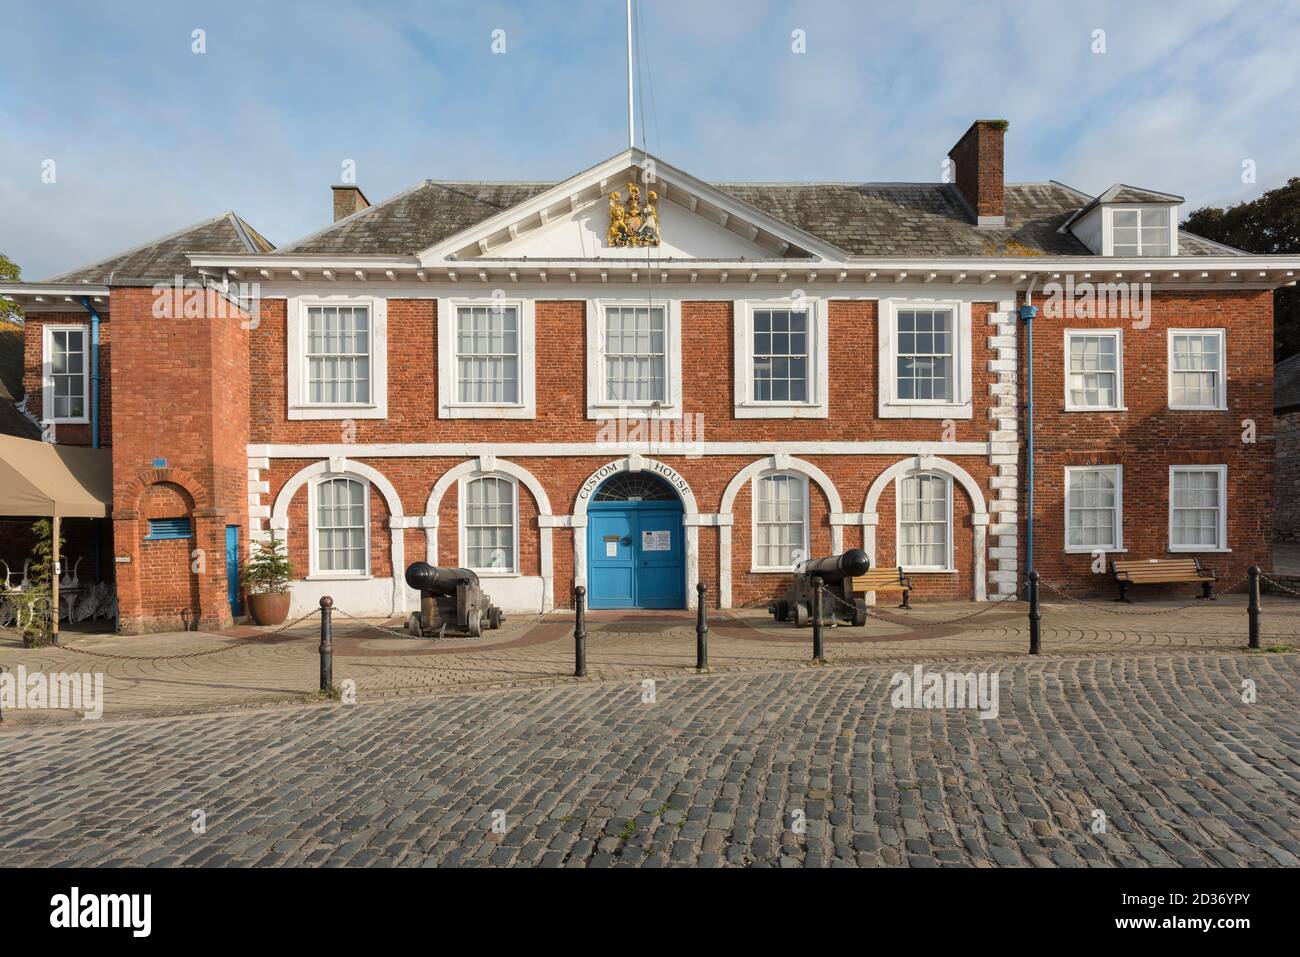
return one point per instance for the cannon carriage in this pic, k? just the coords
(451, 599)
(841, 596)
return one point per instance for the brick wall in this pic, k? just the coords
(33, 362)
(1149, 437)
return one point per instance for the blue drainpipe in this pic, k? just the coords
(1027, 315)
(94, 412)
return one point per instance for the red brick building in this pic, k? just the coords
(555, 385)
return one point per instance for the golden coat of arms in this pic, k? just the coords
(633, 224)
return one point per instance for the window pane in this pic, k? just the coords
(338, 355)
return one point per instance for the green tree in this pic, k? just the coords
(8, 309)
(1269, 225)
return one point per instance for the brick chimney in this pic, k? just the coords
(349, 200)
(978, 158)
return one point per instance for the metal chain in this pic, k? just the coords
(239, 643)
(1132, 611)
(1278, 585)
(923, 623)
(407, 635)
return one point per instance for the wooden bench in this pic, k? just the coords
(1162, 571)
(883, 579)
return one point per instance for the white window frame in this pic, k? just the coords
(818, 326)
(890, 406)
(1221, 396)
(1223, 508)
(296, 356)
(1118, 336)
(314, 572)
(1108, 227)
(47, 372)
(598, 407)
(754, 566)
(462, 501)
(950, 563)
(1118, 545)
(449, 404)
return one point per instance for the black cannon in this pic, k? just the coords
(840, 599)
(451, 599)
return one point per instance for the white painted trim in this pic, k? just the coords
(1221, 399)
(462, 497)
(784, 462)
(818, 368)
(1118, 336)
(545, 519)
(47, 372)
(590, 449)
(891, 407)
(341, 466)
(449, 407)
(1118, 544)
(598, 407)
(801, 554)
(690, 512)
(1222, 544)
(313, 561)
(979, 514)
(949, 561)
(298, 408)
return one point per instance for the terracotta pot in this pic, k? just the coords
(269, 609)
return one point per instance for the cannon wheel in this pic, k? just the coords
(859, 611)
(781, 611)
(494, 617)
(800, 614)
(413, 625)
(475, 628)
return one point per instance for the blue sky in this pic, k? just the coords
(148, 136)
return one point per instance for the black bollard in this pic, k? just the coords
(701, 630)
(1252, 607)
(1035, 616)
(326, 643)
(580, 632)
(818, 653)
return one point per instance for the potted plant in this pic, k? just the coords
(265, 578)
(32, 605)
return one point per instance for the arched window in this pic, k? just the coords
(489, 524)
(780, 521)
(340, 527)
(925, 522)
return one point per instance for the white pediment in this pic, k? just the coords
(583, 234)
(571, 220)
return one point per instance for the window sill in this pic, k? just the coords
(771, 571)
(906, 410)
(909, 570)
(65, 421)
(339, 412)
(1183, 550)
(486, 573)
(1097, 548)
(629, 410)
(339, 578)
(1198, 408)
(781, 410)
(1095, 408)
(486, 412)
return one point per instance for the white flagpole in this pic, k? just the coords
(631, 116)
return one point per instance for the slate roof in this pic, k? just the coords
(164, 258)
(905, 220)
(417, 219)
(1286, 384)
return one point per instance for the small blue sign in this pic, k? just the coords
(160, 463)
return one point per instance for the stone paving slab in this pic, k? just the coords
(248, 667)
(799, 768)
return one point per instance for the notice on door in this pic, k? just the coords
(661, 541)
(611, 549)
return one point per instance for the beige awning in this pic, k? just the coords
(41, 479)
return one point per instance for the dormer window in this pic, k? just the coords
(1140, 231)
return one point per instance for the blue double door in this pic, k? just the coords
(635, 555)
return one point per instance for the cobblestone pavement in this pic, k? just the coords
(717, 770)
(252, 667)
